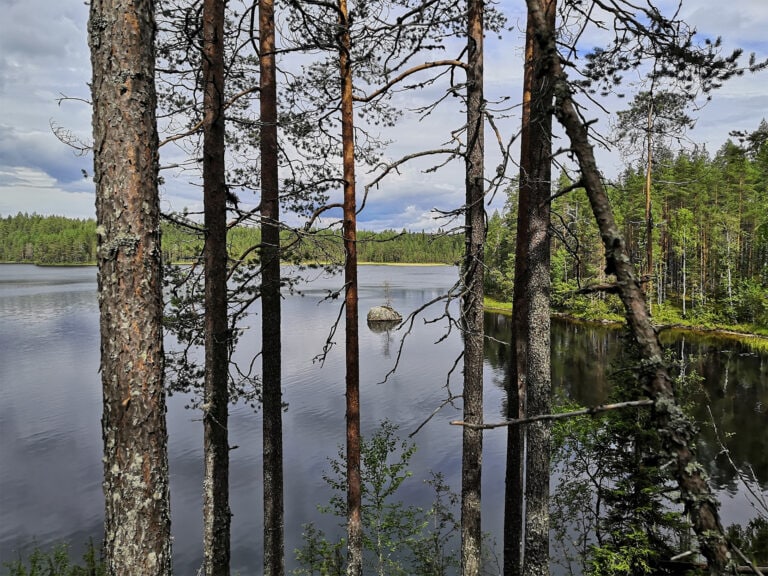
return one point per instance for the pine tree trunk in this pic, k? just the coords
(216, 512)
(349, 230)
(271, 357)
(530, 383)
(648, 205)
(137, 538)
(537, 165)
(472, 301)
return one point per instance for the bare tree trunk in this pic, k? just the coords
(216, 513)
(354, 492)
(472, 300)
(271, 356)
(137, 523)
(676, 431)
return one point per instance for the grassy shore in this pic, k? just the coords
(668, 318)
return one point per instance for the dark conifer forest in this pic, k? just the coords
(710, 236)
(56, 240)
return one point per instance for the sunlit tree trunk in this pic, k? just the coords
(137, 524)
(472, 300)
(271, 356)
(349, 230)
(216, 513)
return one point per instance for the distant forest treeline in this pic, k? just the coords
(36, 239)
(709, 241)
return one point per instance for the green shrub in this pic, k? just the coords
(56, 562)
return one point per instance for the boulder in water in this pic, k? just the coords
(384, 314)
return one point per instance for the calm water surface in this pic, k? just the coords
(50, 407)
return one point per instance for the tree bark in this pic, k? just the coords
(514, 498)
(216, 512)
(529, 391)
(677, 432)
(349, 231)
(271, 357)
(472, 300)
(137, 525)
(536, 176)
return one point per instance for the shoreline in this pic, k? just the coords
(759, 340)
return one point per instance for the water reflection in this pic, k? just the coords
(50, 438)
(734, 386)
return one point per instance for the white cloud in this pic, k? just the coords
(29, 190)
(43, 53)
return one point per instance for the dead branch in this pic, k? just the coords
(183, 222)
(442, 405)
(606, 287)
(197, 127)
(759, 499)
(751, 565)
(550, 417)
(409, 72)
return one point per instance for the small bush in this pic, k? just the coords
(56, 562)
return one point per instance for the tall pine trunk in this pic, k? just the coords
(526, 544)
(271, 357)
(349, 231)
(216, 512)
(537, 166)
(472, 300)
(137, 524)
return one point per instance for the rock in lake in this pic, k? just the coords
(384, 314)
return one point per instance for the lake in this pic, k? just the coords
(50, 407)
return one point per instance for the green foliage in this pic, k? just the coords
(633, 557)
(613, 512)
(56, 562)
(710, 232)
(397, 539)
(57, 240)
(751, 539)
(386, 247)
(36, 239)
(750, 302)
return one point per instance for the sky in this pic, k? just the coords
(44, 58)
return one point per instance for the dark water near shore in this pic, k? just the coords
(50, 407)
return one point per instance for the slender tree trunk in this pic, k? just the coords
(137, 523)
(216, 513)
(676, 431)
(271, 356)
(685, 280)
(514, 498)
(354, 492)
(472, 300)
(648, 207)
(530, 387)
